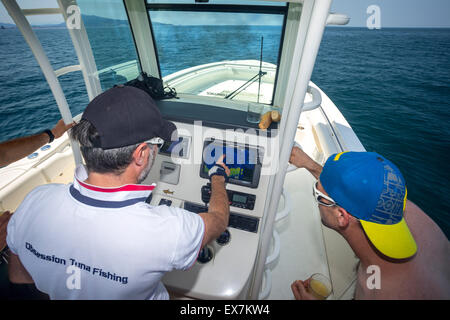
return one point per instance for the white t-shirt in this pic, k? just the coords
(120, 245)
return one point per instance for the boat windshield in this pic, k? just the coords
(221, 49)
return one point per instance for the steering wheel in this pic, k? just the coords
(291, 167)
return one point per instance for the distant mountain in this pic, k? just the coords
(88, 20)
(95, 21)
(6, 25)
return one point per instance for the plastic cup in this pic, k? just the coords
(320, 286)
(254, 112)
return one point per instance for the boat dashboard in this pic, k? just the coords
(181, 173)
(231, 117)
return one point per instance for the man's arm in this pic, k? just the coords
(21, 285)
(4, 219)
(16, 149)
(16, 271)
(300, 159)
(216, 219)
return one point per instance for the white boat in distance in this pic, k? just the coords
(280, 238)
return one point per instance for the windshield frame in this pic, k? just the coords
(281, 9)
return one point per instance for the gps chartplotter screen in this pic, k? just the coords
(242, 161)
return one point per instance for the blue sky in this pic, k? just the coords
(397, 13)
(394, 13)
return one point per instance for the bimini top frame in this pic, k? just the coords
(83, 50)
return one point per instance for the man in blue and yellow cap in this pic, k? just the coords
(363, 196)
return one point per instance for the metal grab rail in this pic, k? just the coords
(41, 11)
(276, 246)
(68, 69)
(266, 291)
(317, 99)
(287, 206)
(337, 19)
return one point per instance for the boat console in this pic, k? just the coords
(181, 173)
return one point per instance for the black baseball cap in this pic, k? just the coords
(126, 115)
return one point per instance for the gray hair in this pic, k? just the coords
(98, 160)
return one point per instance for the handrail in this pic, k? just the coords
(316, 101)
(287, 206)
(39, 11)
(67, 69)
(276, 248)
(337, 19)
(266, 291)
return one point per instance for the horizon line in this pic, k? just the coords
(12, 25)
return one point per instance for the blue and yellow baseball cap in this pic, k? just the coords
(372, 189)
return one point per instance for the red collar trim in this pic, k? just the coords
(128, 187)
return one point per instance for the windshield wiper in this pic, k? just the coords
(253, 79)
(245, 85)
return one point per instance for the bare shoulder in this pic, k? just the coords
(425, 276)
(433, 255)
(422, 226)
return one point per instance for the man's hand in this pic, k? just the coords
(216, 219)
(301, 160)
(60, 128)
(300, 290)
(223, 165)
(16, 149)
(219, 171)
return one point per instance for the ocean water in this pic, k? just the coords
(392, 86)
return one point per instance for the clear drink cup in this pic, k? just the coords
(254, 111)
(319, 286)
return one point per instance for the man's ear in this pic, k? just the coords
(140, 155)
(342, 217)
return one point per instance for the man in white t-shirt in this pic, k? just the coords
(98, 238)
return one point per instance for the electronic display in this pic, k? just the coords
(177, 148)
(242, 160)
(239, 198)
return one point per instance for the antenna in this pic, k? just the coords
(252, 80)
(260, 74)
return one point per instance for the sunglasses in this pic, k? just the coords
(157, 140)
(319, 196)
